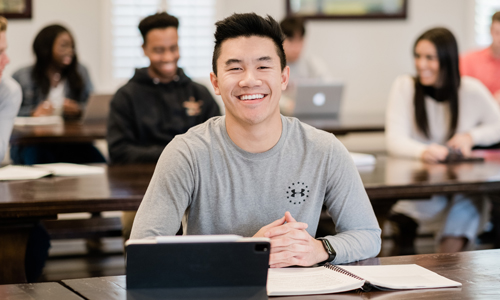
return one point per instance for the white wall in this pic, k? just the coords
(82, 18)
(368, 55)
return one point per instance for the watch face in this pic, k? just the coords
(328, 247)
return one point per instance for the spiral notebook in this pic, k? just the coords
(335, 279)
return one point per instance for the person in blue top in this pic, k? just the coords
(10, 94)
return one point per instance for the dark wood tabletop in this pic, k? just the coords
(122, 187)
(119, 188)
(478, 271)
(349, 123)
(401, 178)
(68, 132)
(23, 203)
(37, 291)
(76, 132)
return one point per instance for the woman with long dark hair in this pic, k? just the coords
(55, 85)
(436, 113)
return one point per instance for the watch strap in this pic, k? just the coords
(329, 249)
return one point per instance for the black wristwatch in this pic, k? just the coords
(329, 249)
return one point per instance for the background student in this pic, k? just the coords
(38, 243)
(432, 113)
(250, 171)
(302, 67)
(484, 64)
(10, 94)
(158, 103)
(56, 85)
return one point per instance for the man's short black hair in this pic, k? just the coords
(158, 20)
(293, 25)
(247, 25)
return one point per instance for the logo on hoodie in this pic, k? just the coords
(193, 107)
(297, 193)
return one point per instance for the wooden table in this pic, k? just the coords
(392, 179)
(75, 132)
(68, 132)
(119, 188)
(396, 178)
(37, 291)
(122, 187)
(478, 271)
(22, 203)
(350, 123)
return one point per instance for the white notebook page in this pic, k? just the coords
(304, 281)
(401, 276)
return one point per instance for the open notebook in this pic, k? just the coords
(335, 279)
(38, 121)
(21, 172)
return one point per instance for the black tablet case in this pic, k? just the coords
(228, 270)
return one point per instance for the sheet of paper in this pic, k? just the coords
(35, 121)
(362, 159)
(401, 276)
(307, 281)
(22, 173)
(67, 169)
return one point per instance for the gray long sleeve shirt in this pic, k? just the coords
(214, 187)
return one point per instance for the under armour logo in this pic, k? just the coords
(297, 193)
(302, 193)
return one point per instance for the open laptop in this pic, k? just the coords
(97, 109)
(318, 102)
(197, 267)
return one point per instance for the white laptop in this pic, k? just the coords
(97, 109)
(319, 100)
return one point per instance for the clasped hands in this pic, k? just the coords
(45, 108)
(436, 153)
(291, 244)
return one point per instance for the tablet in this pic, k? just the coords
(188, 265)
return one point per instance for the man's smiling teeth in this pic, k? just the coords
(252, 97)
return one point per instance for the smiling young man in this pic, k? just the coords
(159, 102)
(254, 172)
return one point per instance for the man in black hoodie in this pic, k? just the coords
(159, 102)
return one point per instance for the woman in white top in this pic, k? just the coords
(433, 113)
(56, 84)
